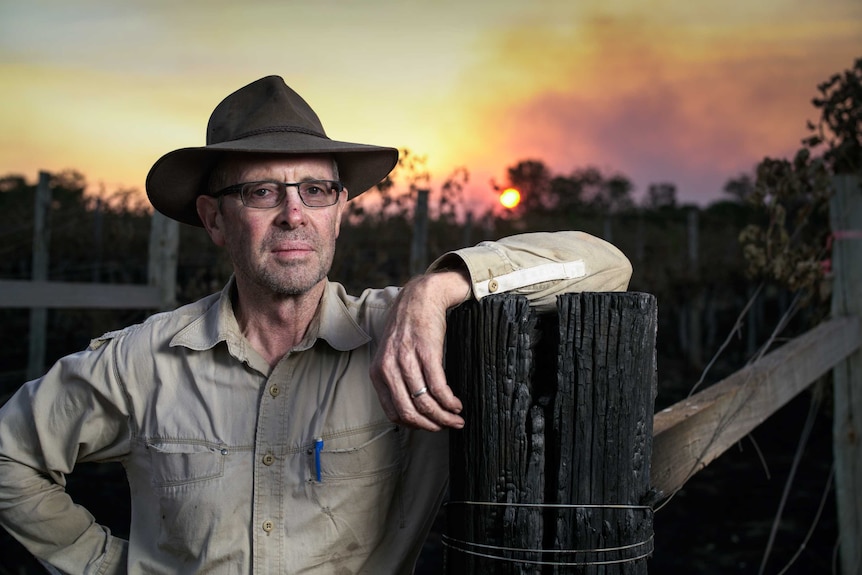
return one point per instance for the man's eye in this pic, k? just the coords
(314, 190)
(262, 192)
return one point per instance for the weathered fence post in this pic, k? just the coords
(163, 256)
(419, 245)
(846, 221)
(551, 473)
(41, 251)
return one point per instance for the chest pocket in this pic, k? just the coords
(358, 491)
(174, 464)
(367, 453)
(186, 480)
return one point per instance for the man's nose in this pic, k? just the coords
(292, 210)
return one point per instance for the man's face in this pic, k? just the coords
(286, 250)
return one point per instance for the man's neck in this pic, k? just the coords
(275, 324)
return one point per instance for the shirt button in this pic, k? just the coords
(493, 286)
(268, 526)
(268, 459)
(273, 391)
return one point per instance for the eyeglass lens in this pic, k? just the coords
(313, 193)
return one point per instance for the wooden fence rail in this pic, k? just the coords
(693, 432)
(78, 295)
(39, 294)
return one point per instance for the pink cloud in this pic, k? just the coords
(692, 113)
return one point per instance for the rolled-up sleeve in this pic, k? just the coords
(541, 266)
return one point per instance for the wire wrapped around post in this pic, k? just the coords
(550, 475)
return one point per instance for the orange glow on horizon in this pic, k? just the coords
(675, 91)
(510, 198)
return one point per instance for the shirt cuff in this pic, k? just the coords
(530, 276)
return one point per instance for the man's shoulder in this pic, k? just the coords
(162, 325)
(362, 316)
(378, 299)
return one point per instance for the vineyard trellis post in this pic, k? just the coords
(39, 272)
(39, 293)
(846, 222)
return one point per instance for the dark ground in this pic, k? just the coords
(720, 522)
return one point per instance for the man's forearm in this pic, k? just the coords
(452, 286)
(407, 370)
(41, 515)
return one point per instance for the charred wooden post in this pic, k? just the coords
(551, 473)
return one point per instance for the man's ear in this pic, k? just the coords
(210, 214)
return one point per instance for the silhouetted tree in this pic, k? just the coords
(793, 195)
(533, 179)
(452, 194)
(840, 124)
(740, 188)
(659, 196)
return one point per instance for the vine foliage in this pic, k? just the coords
(790, 245)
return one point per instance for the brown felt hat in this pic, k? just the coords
(265, 117)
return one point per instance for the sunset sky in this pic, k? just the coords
(679, 91)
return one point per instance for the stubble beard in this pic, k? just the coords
(285, 278)
(290, 280)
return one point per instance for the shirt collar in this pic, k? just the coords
(334, 323)
(216, 323)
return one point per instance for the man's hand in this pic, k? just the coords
(407, 370)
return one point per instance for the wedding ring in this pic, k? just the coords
(420, 392)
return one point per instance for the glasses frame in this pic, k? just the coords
(282, 191)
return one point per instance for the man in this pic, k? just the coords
(251, 433)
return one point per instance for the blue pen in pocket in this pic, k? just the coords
(318, 447)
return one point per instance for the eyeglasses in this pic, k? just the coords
(270, 194)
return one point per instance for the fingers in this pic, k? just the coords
(436, 406)
(410, 397)
(438, 387)
(409, 357)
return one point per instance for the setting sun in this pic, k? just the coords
(510, 198)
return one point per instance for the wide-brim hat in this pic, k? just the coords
(264, 117)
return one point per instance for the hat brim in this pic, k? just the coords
(179, 177)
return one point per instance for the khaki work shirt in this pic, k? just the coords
(236, 467)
